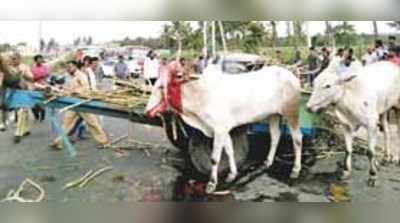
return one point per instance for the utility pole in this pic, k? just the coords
(214, 49)
(205, 48)
(221, 29)
(376, 30)
(40, 34)
(308, 36)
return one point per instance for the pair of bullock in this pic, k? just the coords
(217, 103)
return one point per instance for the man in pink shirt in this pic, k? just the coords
(40, 70)
(40, 73)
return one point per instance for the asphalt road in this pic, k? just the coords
(136, 175)
(150, 176)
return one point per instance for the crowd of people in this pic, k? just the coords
(82, 74)
(319, 60)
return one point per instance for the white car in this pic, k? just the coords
(135, 66)
(107, 68)
(91, 51)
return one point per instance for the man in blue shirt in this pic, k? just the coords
(121, 68)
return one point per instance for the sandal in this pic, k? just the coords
(103, 146)
(55, 146)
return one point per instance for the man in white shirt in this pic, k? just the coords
(369, 58)
(380, 50)
(90, 71)
(151, 68)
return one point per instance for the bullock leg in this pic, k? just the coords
(275, 133)
(219, 141)
(231, 157)
(348, 137)
(372, 134)
(396, 150)
(386, 134)
(297, 146)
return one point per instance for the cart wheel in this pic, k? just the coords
(181, 142)
(200, 148)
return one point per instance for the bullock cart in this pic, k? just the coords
(189, 140)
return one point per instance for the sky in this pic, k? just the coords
(102, 31)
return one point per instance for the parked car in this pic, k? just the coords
(135, 65)
(91, 51)
(237, 63)
(107, 68)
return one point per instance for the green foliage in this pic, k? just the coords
(345, 34)
(5, 47)
(319, 40)
(394, 24)
(191, 38)
(253, 39)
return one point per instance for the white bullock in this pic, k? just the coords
(361, 98)
(216, 103)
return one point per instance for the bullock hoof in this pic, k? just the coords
(346, 175)
(372, 181)
(231, 177)
(295, 174)
(211, 187)
(268, 164)
(396, 160)
(387, 160)
(17, 139)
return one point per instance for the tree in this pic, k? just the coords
(274, 25)
(254, 37)
(394, 24)
(289, 37)
(51, 45)
(42, 45)
(299, 37)
(329, 33)
(247, 35)
(89, 40)
(345, 34)
(77, 41)
(376, 31)
(5, 47)
(173, 28)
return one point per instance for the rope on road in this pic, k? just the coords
(15, 196)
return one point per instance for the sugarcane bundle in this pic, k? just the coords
(129, 96)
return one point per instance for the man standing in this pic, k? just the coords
(380, 50)
(313, 62)
(121, 69)
(23, 72)
(79, 83)
(4, 75)
(369, 57)
(40, 73)
(393, 47)
(91, 75)
(151, 68)
(326, 59)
